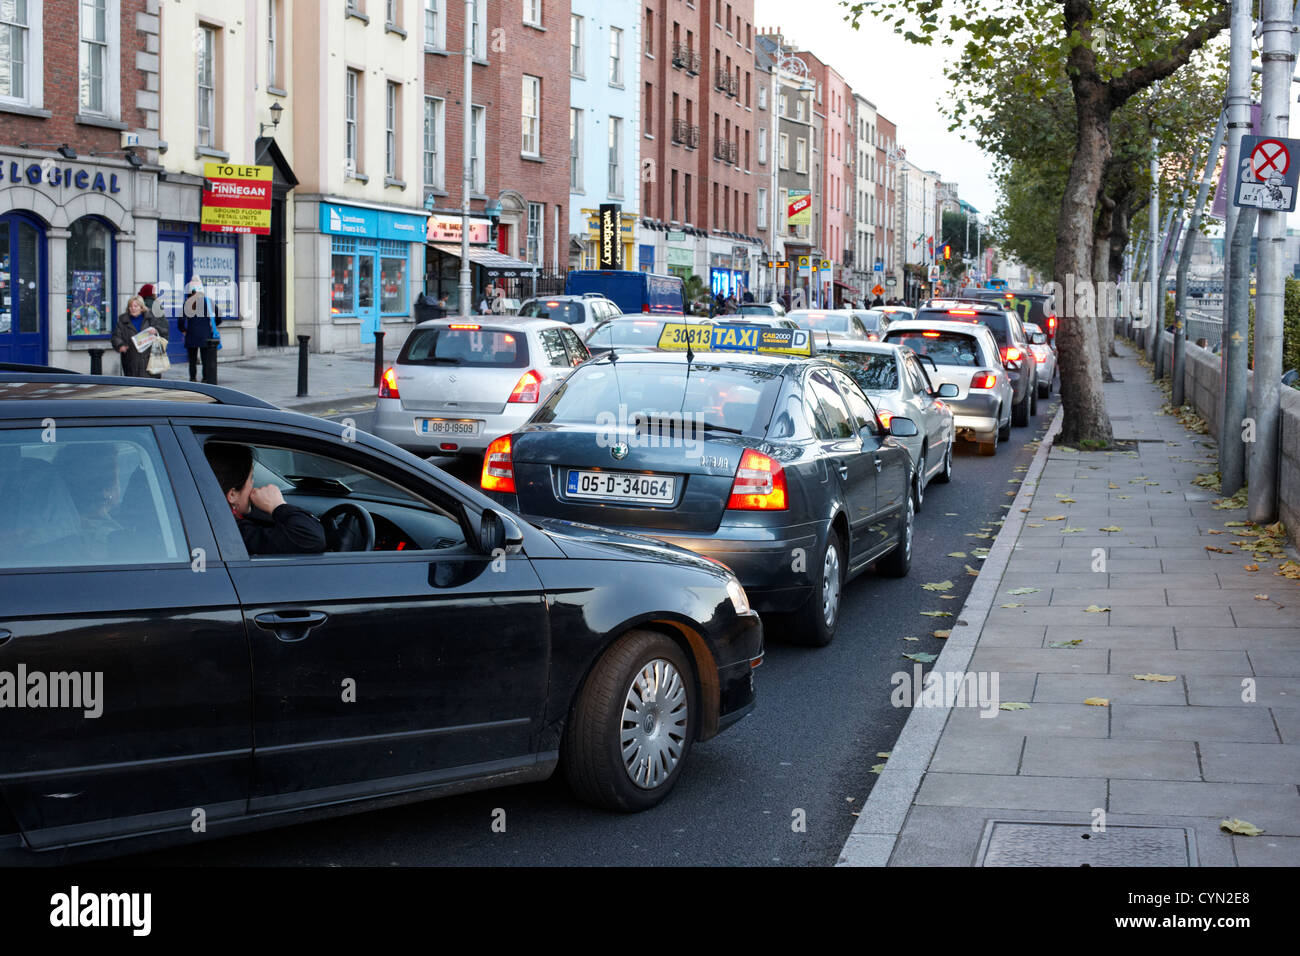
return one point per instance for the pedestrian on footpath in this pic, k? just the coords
(130, 323)
(198, 322)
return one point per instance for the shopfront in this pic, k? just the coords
(68, 241)
(186, 253)
(487, 264)
(370, 264)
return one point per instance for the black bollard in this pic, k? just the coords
(302, 364)
(379, 357)
(96, 361)
(209, 355)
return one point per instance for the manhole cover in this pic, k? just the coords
(1012, 843)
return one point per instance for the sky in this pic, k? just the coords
(904, 81)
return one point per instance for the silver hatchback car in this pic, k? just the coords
(458, 384)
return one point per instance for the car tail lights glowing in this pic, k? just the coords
(527, 389)
(984, 380)
(465, 327)
(759, 484)
(498, 467)
(388, 384)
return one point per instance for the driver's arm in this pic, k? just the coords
(291, 529)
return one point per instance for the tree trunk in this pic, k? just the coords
(1082, 397)
(1119, 240)
(1101, 276)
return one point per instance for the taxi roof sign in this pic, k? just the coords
(736, 337)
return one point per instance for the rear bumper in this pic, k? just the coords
(397, 424)
(975, 417)
(773, 565)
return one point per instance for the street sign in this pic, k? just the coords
(1270, 168)
(877, 289)
(891, 281)
(676, 235)
(879, 266)
(934, 273)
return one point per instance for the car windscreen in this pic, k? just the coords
(571, 312)
(757, 309)
(734, 398)
(943, 348)
(634, 333)
(821, 321)
(471, 346)
(995, 322)
(870, 320)
(1030, 308)
(871, 370)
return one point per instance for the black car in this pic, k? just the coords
(775, 465)
(1033, 308)
(1013, 347)
(443, 646)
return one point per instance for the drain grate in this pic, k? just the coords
(1020, 843)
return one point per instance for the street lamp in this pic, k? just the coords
(276, 110)
(781, 63)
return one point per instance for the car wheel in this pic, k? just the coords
(1045, 388)
(898, 562)
(918, 483)
(1033, 405)
(990, 448)
(1004, 431)
(814, 623)
(945, 475)
(1020, 411)
(632, 724)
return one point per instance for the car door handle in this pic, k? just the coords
(290, 626)
(877, 463)
(843, 470)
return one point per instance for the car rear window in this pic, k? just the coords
(821, 321)
(471, 346)
(570, 312)
(943, 348)
(732, 397)
(633, 333)
(872, 371)
(996, 322)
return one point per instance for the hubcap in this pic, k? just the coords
(830, 585)
(920, 479)
(907, 532)
(654, 724)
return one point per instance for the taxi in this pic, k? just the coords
(736, 442)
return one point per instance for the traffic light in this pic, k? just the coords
(947, 251)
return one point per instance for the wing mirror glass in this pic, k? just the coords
(902, 427)
(948, 390)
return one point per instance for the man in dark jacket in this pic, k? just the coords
(267, 523)
(198, 322)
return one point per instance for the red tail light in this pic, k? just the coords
(962, 312)
(1051, 322)
(388, 384)
(759, 484)
(872, 337)
(1010, 354)
(465, 327)
(885, 418)
(984, 380)
(498, 467)
(527, 389)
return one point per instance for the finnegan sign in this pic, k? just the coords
(236, 199)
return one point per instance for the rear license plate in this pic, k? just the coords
(446, 426)
(620, 486)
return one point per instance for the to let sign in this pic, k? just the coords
(1268, 173)
(236, 199)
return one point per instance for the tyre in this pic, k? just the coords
(632, 725)
(918, 483)
(1004, 431)
(814, 623)
(990, 448)
(1020, 411)
(1045, 388)
(1033, 405)
(898, 562)
(945, 475)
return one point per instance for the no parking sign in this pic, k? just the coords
(1268, 173)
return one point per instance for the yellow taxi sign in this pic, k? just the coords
(736, 337)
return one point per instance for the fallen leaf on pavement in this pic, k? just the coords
(1013, 705)
(956, 554)
(885, 753)
(876, 768)
(1212, 531)
(1070, 530)
(971, 571)
(911, 638)
(1010, 605)
(1094, 609)
(1240, 827)
(937, 586)
(1074, 643)
(1161, 678)
(1261, 597)
(942, 635)
(1112, 485)
(1097, 701)
(1123, 496)
(922, 657)
(1210, 547)
(1251, 567)
(947, 597)
(1065, 500)
(1055, 518)
(1024, 591)
(1111, 528)
(937, 613)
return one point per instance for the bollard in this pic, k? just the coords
(302, 364)
(96, 361)
(209, 355)
(379, 357)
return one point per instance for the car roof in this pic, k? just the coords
(67, 388)
(765, 362)
(937, 325)
(496, 323)
(861, 345)
(568, 297)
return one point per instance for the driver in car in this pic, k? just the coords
(267, 523)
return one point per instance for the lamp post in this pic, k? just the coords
(781, 62)
(466, 293)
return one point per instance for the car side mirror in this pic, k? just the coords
(902, 427)
(498, 532)
(1040, 339)
(948, 390)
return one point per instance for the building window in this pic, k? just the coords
(762, 208)
(647, 110)
(686, 200)
(94, 55)
(390, 12)
(477, 149)
(798, 108)
(478, 40)
(762, 145)
(272, 36)
(575, 45)
(435, 25)
(784, 159)
(390, 131)
(350, 140)
(575, 150)
(672, 199)
(207, 86)
(615, 56)
(649, 32)
(762, 97)
(433, 130)
(90, 278)
(20, 51)
(536, 213)
(531, 110)
(615, 156)
(533, 12)
(801, 155)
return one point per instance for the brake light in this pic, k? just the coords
(872, 337)
(527, 389)
(984, 380)
(962, 312)
(885, 418)
(388, 384)
(931, 335)
(759, 484)
(1010, 354)
(498, 467)
(464, 327)
(1051, 322)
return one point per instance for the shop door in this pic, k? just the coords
(22, 333)
(368, 295)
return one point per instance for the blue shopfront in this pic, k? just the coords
(370, 263)
(186, 253)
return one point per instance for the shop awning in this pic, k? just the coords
(846, 287)
(485, 257)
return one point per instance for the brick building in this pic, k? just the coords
(888, 238)
(78, 205)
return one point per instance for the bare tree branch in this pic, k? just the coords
(1122, 87)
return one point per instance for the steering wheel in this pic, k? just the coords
(348, 527)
